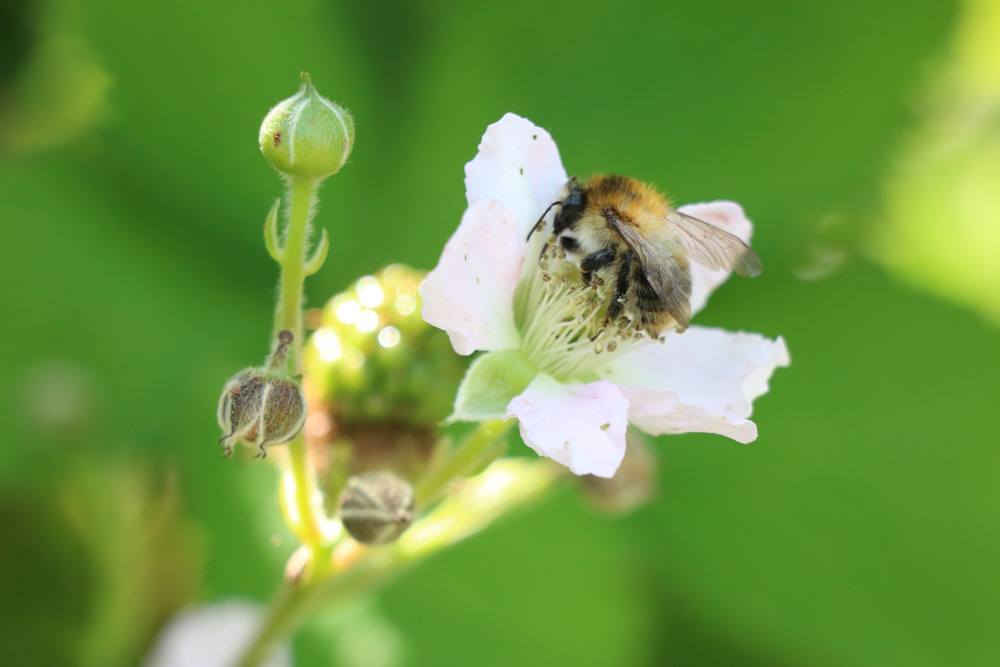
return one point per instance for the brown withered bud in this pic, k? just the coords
(262, 406)
(633, 485)
(376, 507)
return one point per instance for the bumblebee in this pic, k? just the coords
(624, 233)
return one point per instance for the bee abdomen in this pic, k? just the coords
(647, 302)
(655, 313)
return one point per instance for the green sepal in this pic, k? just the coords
(491, 382)
(318, 256)
(271, 241)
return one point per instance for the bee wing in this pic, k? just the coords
(714, 247)
(670, 281)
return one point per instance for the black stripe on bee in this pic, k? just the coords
(569, 243)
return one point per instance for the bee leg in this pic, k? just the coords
(545, 248)
(621, 287)
(595, 261)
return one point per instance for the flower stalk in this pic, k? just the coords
(301, 195)
(481, 447)
(306, 521)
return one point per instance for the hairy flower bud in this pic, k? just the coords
(377, 507)
(307, 135)
(262, 406)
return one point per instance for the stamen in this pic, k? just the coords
(565, 327)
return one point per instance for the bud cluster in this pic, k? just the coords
(379, 381)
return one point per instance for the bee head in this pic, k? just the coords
(570, 208)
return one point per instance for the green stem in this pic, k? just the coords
(478, 449)
(286, 610)
(301, 194)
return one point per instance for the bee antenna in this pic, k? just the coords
(541, 218)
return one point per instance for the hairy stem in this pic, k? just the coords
(301, 195)
(478, 449)
(288, 316)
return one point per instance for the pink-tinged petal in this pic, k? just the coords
(725, 215)
(518, 165)
(580, 426)
(704, 380)
(470, 293)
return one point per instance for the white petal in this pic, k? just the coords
(704, 380)
(470, 293)
(518, 165)
(212, 635)
(725, 215)
(580, 426)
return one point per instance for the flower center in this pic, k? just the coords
(564, 323)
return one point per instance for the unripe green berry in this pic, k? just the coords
(377, 507)
(307, 135)
(373, 359)
(379, 381)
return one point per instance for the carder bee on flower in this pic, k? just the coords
(623, 232)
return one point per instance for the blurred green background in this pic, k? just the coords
(862, 137)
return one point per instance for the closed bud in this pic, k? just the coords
(262, 406)
(307, 135)
(377, 507)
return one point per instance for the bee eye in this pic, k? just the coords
(569, 243)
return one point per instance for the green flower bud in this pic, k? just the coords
(307, 135)
(262, 406)
(377, 507)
